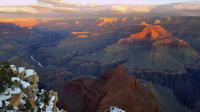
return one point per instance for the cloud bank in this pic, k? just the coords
(61, 8)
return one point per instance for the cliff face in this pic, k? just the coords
(185, 86)
(23, 94)
(125, 92)
(114, 88)
(149, 31)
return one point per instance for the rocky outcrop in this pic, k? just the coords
(113, 88)
(24, 94)
(104, 21)
(143, 23)
(157, 21)
(149, 31)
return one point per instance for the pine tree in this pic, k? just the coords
(6, 74)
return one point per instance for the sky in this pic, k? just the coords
(97, 8)
(26, 2)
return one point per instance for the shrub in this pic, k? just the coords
(6, 74)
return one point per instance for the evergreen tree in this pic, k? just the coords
(6, 74)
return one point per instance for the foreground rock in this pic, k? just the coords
(114, 88)
(24, 95)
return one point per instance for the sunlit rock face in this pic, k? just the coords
(149, 31)
(157, 21)
(153, 49)
(104, 21)
(24, 22)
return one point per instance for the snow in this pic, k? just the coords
(15, 108)
(23, 83)
(7, 94)
(10, 111)
(3, 98)
(13, 67)
(7, 103)
(21, 69)
(36, 97)
(116, 109)
(50, 106)
(41, 105)
(14, 90)
(15, 79)
(25, 95)
(22, 101)
(30, 72)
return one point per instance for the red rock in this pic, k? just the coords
(174, 42)
(123, 91)
(149, 31)
(157, 21)
(114, 88)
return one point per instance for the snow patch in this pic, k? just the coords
(15, 79)
(21, 69)
(15, 90)
(3, 98)
(22, 101)
(50, 106)
(23, 83)
(30, 72)
(41, 105)
(14, 68)
(7, 94)
(116, 109)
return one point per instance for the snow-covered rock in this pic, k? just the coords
(25, 95)
(115, 109)
(14, 68)
(23, 83)
(21, 69)
(30, 72)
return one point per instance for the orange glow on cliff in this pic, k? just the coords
(25, 22)
(154, 32)
(149, 31)
(77, 22)
(175, 41)
(62, 23)
(79, 33)
(105, 21)
(82, 36)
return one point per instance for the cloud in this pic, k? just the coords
(131, 9)
(187, 6)
(61, 8)
(143, 8)
(49, 9)
(178, 9)
(18, 10)
(118, 8)
(93, 5)
(60, 3)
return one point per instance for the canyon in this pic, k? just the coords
(161, 52)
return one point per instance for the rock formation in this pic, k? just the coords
(105, 21)
(157, 21)
(149, 31)
(143, 23)
(24, 94)
(113, 88)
